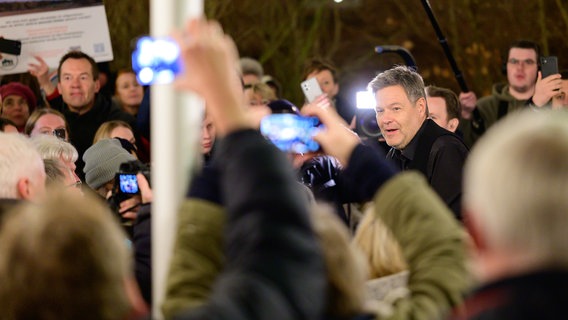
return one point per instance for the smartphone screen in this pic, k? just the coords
(156, 60)
(128, 183)
(548, 66)
(311, 89)
(291, 132)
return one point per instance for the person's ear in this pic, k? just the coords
(453, 124)
(23, 188)
(97, 85)
(421, 104)
(478, 241)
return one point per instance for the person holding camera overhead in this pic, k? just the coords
(327, 75)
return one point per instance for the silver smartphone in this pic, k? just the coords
(311, 89)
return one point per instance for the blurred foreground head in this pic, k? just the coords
(345, 266)
(515, 200)
(22, 174)
(64, 259)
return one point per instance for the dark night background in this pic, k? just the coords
(283, 34)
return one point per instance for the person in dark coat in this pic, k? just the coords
(272, 255)
(418, 143)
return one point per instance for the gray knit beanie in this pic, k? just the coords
(103, 160)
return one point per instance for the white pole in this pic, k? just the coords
(175, 128)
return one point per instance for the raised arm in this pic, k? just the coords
(273, 266)
(40, 70)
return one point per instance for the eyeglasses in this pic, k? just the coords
(526, 62)
(60, 133)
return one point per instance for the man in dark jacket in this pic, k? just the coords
(76, 96)
(418, 143)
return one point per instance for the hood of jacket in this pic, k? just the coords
(501, 92)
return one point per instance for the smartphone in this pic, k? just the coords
(548, 66)
(311, 89)
(8, 46)
(128, 184)
(156, 60)
(291, 132)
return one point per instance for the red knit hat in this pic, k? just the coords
(18, 89)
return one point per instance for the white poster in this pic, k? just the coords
(51, 28)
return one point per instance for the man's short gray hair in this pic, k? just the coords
(251, 66)
(51, 147)
(403, 76)
(18, 159)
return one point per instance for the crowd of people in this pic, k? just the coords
(425, 230)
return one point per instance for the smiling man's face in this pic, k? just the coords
(399, 119)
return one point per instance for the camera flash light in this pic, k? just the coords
(365, 100)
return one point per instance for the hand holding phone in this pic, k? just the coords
(291, 132)
(548, 66)
(337, 139)
(311, 89)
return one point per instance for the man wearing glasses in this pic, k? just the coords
(522, 72)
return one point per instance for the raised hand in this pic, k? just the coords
(468, 100)
(546, 88)
(40, 70)
(210, 61)
(336, 138)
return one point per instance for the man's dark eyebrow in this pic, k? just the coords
(80, 74)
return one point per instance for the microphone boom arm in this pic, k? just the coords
(444, 43)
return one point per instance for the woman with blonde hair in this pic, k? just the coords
(258, 94)
(47, 121)
(118, 129)
(345, 266)
(388, 271)
(381, 249)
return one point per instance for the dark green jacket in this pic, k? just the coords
(488, 109)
